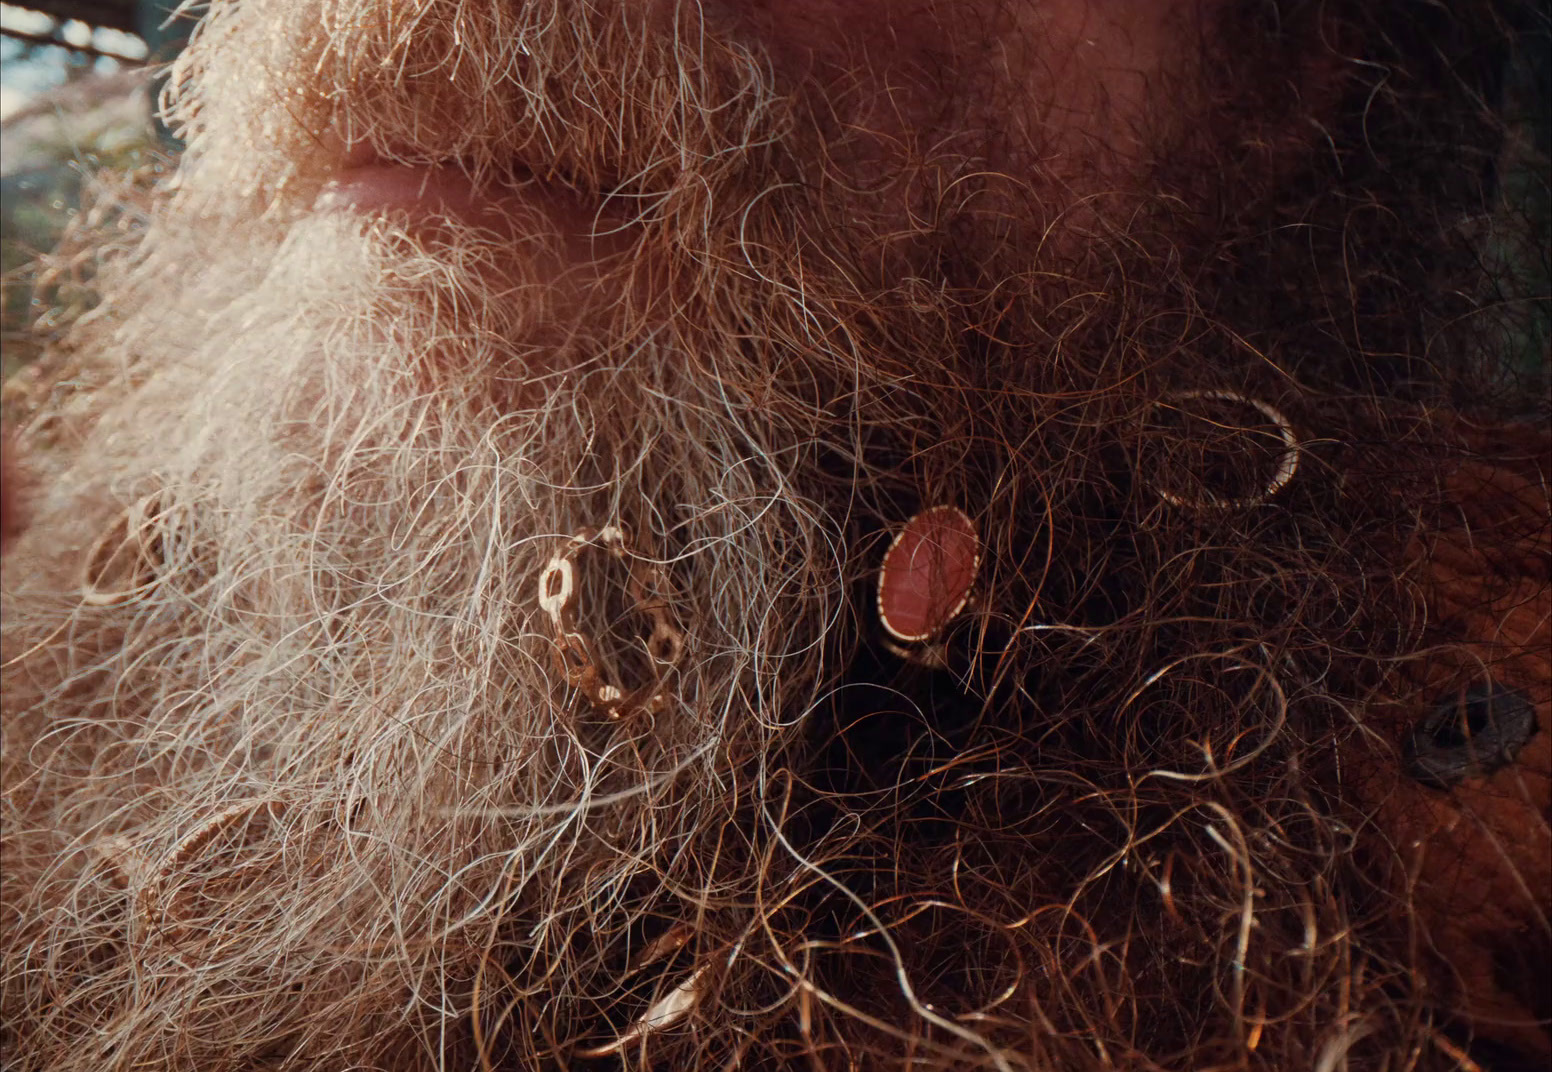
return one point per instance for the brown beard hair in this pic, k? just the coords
(301, 785)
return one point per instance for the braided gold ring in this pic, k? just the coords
(576, 652)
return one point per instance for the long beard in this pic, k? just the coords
(298, 770)
(335, 568)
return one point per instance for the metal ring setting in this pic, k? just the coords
(575, 651)
(1287, 461)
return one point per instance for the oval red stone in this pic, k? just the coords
(927, 573)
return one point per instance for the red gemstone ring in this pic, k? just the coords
(928, 575)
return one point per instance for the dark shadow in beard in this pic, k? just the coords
(1352, 272)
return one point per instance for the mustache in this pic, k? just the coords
(611, 100)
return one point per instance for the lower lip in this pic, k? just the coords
(447, 192)
(385, 187)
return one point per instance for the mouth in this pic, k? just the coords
(511, 202)
(378, 186)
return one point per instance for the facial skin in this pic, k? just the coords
(308, 758)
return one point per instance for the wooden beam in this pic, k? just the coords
(58, 42)
(114, 14)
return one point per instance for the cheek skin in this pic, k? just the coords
(1092, 70)
(1059, 74)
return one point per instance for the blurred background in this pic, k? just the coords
(77, 93)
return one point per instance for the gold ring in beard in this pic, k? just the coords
(1287, 455)
(578, 653)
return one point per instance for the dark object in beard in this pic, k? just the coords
(1469, 737)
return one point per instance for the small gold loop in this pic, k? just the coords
(1287, 461)
(663, 633)
(556, 585)
(121, 564)
(170, 908)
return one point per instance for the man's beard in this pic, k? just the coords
(304, 777)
